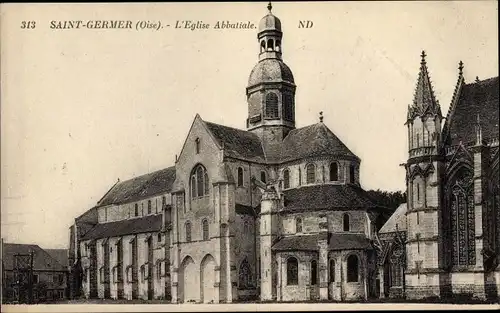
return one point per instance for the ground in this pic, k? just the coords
(455, 300)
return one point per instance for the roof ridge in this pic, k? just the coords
(230, 127)
(482, 81)
(146, 174)
(454, 100)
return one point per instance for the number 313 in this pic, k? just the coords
(28, 24)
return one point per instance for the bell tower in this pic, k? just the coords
(425, 244)
(271, 89)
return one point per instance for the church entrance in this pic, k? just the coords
(207, 279)
(189, 287)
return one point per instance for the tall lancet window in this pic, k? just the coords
(460, 194)
(199, 182)
(286, 179)
(311, 173)
(271, 105)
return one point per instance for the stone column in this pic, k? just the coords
(279, 282)
(479, 163)
(174, 257)
(217, 284)
(381, 279)
(323, 266)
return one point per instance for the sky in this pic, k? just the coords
(81, 108)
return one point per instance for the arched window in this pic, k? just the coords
(298, 225)
(136, 211)
(205, 230)
(311, 174)
(149, 206)
(352, 268)
(262, 46)
(163, 202)
(314, 273)
(197, 145)
(460, 194)
(345, 220)
(278, 45)
(246, 227)
(270, 45)
(396, 267)
(193, 186)
(418, 191)
(332, 271)
(351, 172)
(300, 177)
(159, 237)
(188, 231)
(334, 171)
(205, 183)
(286, 179)
(199, 182)
(263, 177)
(240, 176)
(200, 186)
(292, 271)
(245, 275)
(271, 105)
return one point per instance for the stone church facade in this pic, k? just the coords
(446, 239)
(273, 212)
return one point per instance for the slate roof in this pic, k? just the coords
(42, 260)
(313, 140)
(270, 70)
(397, 218)
(150, 223)
(299, 242)
(140, 187)
(336, 241)
(348, 242)
(269, 22)
(61, 255)
(475, 98)
(246, 210)
(328, 196)
(238, 143)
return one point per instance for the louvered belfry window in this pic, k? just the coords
(272, 105)
(288, 107)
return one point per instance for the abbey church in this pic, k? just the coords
(277, 213)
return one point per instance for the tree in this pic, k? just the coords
(388, 202)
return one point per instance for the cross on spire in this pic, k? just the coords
(461, 68)
(423, 55)
(321, 116)
(269, 6)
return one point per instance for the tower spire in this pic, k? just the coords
(424, 101)
(269, 6)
